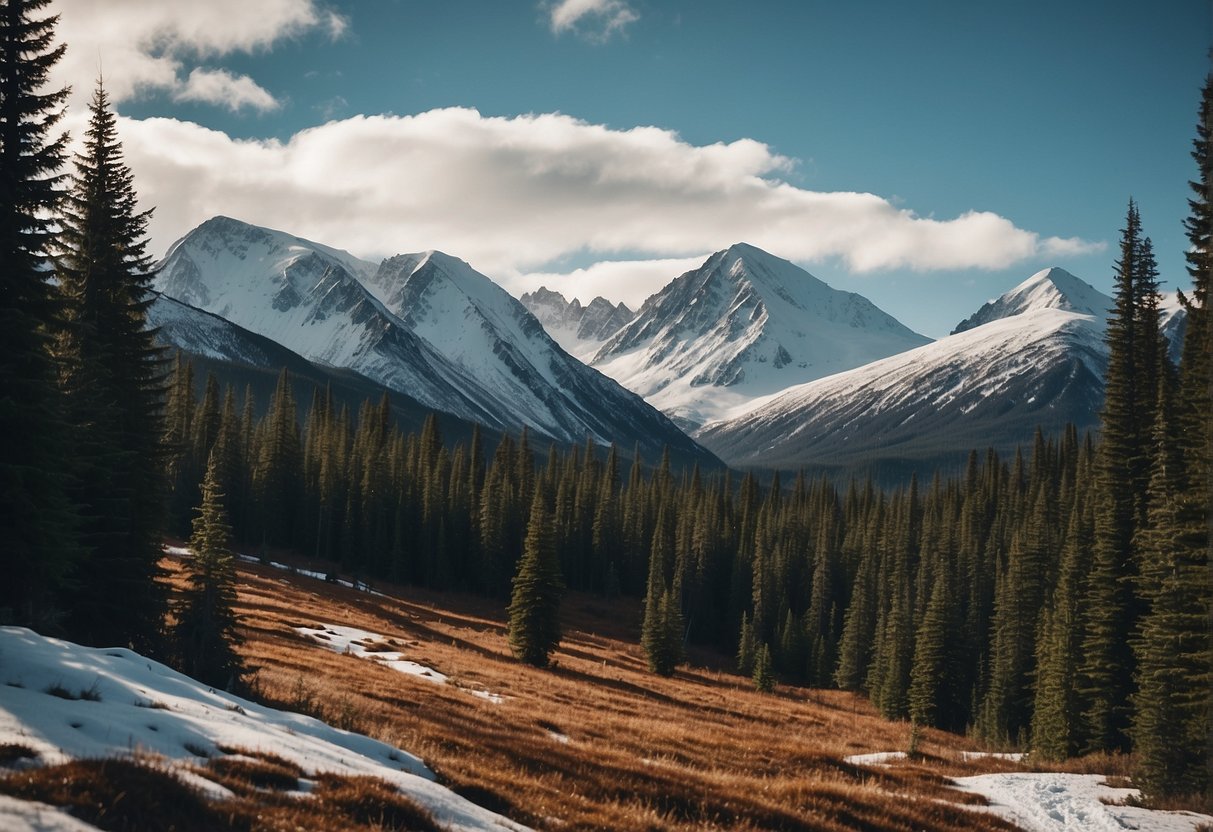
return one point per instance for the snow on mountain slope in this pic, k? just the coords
(137, 705)
(309, 298)
(988, 386)
(520, 370)
(746, 324)
(1052, 288)
(426, 325)
(202, 333)
(1174, 322)
(1037, 360)
(579, 330)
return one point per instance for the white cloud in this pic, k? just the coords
(595, 19)
(511, 195)
(220, 87)
(159, 45)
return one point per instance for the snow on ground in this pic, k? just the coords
(367, 645)
(1013, 756)
(1041, 802)
(127, 703)
(30, 816)
(876, 759)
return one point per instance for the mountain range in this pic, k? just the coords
(762, 364)
(744, 325)
(426, 325)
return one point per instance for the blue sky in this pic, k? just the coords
(771, 117)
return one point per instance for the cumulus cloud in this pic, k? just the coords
(161, 45)
(594, 19)
(220, 87)
(512, 195)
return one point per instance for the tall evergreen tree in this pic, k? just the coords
(36, 517)
(534, 608)
(205, 634)
(1106, 670)
(114, 377)
(1170, 720)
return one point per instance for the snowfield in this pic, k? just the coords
(130, 704)
(1056, 802)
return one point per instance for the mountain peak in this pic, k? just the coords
(744, 325)
(1051, 288)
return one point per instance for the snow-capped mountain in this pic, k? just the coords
(308, 298)
(519, 368)
(426, 325)
(579, 330)
(1052, 288)
(744, 325)
(1037, 359)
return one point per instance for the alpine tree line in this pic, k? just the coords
(1059, 600)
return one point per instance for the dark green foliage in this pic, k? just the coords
(764, 670)
(662, 630)
(1171, 703)
(205, 634)
(113, 375)
(1105, 672)
(535, 604)
(37, 522)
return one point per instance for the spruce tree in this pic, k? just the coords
(1170, 719)
(1107, 667)
(114, 377)
(534, 608)
(37, 521)
(661, 631)
(764, 670)
(205, 634)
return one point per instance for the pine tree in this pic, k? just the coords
(114, 376)
(1170, 720)
(764, 670)
(1055, 714)
(37, 522)
(534, 609)
(661, 631)
(934, 687)
(205, 634)
(1106, 670)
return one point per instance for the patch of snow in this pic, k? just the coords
(875, 759)
(1013, 756)
(29, 816)
(556, 736)
(1041, 802)
(187, 715)
(354, 642)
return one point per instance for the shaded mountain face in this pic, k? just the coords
(427, 325)
(580, 330)
(743, 326)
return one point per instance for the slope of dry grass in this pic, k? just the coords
(597, 742)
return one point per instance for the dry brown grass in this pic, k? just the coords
(701, 750)
(139, 794)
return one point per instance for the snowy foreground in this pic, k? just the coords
(132, 704)
(1049, 802)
